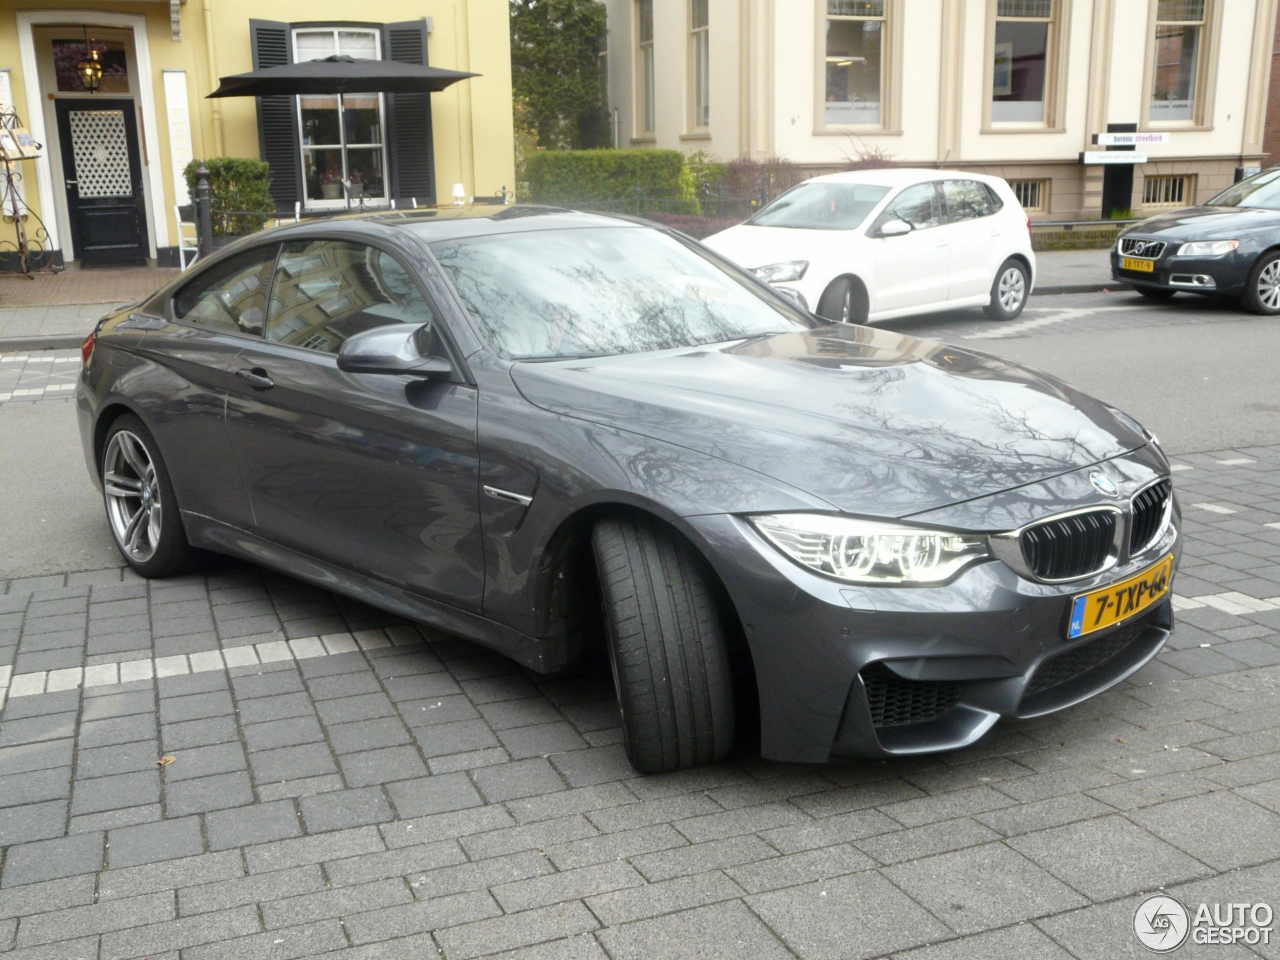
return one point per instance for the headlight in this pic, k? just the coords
(1207, 248)
(862, 551)
(782, 272)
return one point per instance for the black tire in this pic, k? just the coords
(844, 301)
(166, 553)
(1262, 289)
(1154, 293)
(1009, 292)
(666, 646)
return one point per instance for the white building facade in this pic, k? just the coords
(1015, 88)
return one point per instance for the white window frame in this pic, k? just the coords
(699, 69)
(646, 118)
(342, 202)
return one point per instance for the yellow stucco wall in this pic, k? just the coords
(472, 119)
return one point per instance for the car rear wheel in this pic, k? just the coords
(1262, 289)
(666, 646)
(844, 301)
(1008, 291)
(1155, 293)
(142, 510)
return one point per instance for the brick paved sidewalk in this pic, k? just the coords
(346, 785)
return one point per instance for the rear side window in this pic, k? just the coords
(967, 200)
(231, 295)
(918, 206)
(328, 290)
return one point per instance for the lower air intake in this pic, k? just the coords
(896, 702)
(1067, 666)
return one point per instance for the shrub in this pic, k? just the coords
(767, 178)
(569, 176)
(240, 190)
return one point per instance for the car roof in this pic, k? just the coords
(901, 176)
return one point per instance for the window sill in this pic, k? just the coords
(1178, 126)
(696, 135)
(644, 139)
(834, 131)
(1021, 128)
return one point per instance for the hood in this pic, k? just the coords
(1206, 223)
(873, 422)
(752, 247)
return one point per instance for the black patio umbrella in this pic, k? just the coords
(338, 74)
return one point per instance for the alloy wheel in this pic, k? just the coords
(1012, 289)
(132, 492)
(1269, 285)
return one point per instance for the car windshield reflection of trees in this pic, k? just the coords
(569, 294)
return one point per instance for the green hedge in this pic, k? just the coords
(568, 176)
(239, 185)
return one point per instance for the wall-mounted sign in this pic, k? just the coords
(1131, 139)
(1112, 156)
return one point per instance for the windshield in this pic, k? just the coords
(599, 291)
(1261, 190)
(820, 205)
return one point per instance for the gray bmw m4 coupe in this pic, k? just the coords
(553, 432)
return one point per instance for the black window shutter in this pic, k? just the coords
(409, 142)
(277, 116)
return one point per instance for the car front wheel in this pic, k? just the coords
(1262, 289)
(142, 510)
(1008, 291)
(666, 646)
(843, 302)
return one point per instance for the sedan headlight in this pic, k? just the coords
(1207, 248)
(782, 272)
(863, 551)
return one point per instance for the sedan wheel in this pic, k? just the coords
(666, 646)
(141, 508)
(1262, 291)
(1008, 291)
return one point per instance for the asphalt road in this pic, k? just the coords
(1201, 375)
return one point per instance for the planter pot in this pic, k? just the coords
(224, 240)
(331, 191)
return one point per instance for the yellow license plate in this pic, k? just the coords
(1141, 266)
(1120, 601)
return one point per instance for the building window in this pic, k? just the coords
(855, 60)
(1166, 191)
(1180, 27)
(343, 150)
(1032, 194)
(699, 40)
(644, 67)
(1020, 70)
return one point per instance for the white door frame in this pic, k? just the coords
(158, 234)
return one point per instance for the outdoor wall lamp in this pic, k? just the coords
(90, 67)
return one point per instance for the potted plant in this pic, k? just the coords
(240, 192)
(331, 186)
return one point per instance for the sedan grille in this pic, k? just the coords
(1133, 247)
(1148, 515)
(1074, 663)
(1070, 547)
(895, 702)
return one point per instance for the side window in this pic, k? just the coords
(918, 206)
(232, 295)
(328, 290)
(966, 200)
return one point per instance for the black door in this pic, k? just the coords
(375, 473)
(103, 173)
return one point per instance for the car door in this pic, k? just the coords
(973, 237)
(376, 473)
(911, 269)
(196, 337)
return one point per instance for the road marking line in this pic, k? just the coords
(1236, 462)
(246, 655)
(1273, 526)
(1059, 316)
(1181, 466)
(1185, 603)
(1213, 508)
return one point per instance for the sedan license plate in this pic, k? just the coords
(1120, 601)
(1141, 266)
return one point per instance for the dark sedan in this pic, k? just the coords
(550, 431)
(1228, 247)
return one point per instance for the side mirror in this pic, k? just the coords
(392, 349)
(894, 228)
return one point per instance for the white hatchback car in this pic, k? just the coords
(875, 244)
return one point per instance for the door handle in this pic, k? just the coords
(256, 378)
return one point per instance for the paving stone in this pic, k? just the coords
(147, 843)
(515, 930)
(292, 763)
(698, 858)
(344, 808)
(259, 823)
(420, 917)
(522, 778)
(35, 821)
(1220, 829)
(1022, 942)
(48, 895)
(53, 859)
(725, 931)
(115, 792)
(292, 943)
(565, 885)
(438, 794)
(169, 874)
(181, 933)
(204, 794)
(95, 918)
(382, 766)
(36, 756)
(291, 853)
(259, 888)
(614, 846)
(333, 903)
(411, 862)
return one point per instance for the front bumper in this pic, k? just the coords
(889, 671)
(1223, 275)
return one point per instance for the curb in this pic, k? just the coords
(1050, 289)
(22, 344)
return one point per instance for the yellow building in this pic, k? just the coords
(109, 176)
